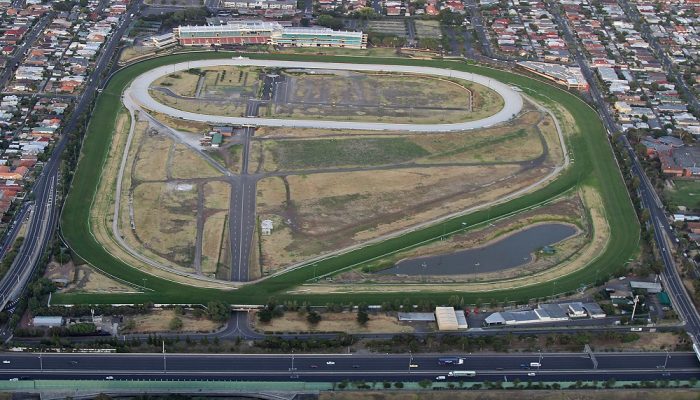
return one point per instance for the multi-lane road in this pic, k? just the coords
(336, 367)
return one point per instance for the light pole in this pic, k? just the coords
(165, 366)
(410, 360)
(539, 364)
(668, 355)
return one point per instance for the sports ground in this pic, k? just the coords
(594, 168)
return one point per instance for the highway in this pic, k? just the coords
(45, 211)
(337, 367)
(139, 92)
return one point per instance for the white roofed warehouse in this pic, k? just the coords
(446, 319)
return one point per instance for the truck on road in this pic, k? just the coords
(450, 361)
(458, 374)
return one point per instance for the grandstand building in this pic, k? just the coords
(263, 32)
(320, 37)
(239, 32)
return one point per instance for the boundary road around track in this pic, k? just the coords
(512, 101)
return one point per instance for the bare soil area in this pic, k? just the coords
(88, 280)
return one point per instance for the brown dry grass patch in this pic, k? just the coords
(165, 219)
(334, 322)
(187, 164)
(217, 195)
(181, 82)
(151, 160)
(211, 242)
(159, 321)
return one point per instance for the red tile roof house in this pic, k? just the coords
(694, 227)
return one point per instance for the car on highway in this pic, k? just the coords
(5, 361)
(413, 366)
(356, 366)
(110, 378)
(313, 366)
(440, 378)
(330, 362)
(531, 374)
(14, 379)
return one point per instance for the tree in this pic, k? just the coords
(265, 315)
(176, 324)
(83, 328)
(362, 317)
(330, 21)
(425, 383)
(218, 311)
(313, 318)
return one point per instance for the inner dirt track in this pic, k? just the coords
(513, 102)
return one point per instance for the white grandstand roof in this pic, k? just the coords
(233, 25)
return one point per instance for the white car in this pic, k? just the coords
(110, 378)
(14, 379)
(440, 378)
(330, 362)
(531, 374)
(5, 361)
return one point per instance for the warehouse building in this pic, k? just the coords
(244, 32)
(446, 318)
(47, 321)
(546, 313)
(449, 319)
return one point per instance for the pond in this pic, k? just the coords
(512, 251)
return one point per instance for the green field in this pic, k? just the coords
(594, 165)
(323, 153)
(685, 193)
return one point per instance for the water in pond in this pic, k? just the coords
(509, 252)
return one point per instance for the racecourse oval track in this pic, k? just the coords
(513, 102)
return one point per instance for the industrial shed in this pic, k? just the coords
(47, 321)
(446, 319)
